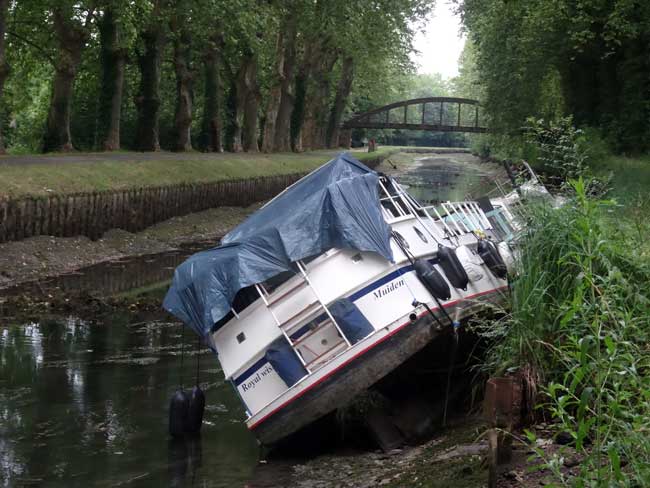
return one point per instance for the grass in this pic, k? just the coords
(579, 320)
(631, 176)
(57, 174)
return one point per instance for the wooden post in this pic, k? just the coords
(424, 107)
(405, 110)
(459, 105)
(476, 116)
(440, 113)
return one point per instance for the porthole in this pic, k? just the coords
(241, 337)
(421, 235)
(399, 237)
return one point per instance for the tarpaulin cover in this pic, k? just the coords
(335, 206)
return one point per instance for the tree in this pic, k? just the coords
(591, 56)
(149, 54)
(212, 126)
(72, 24)
(4, 65)
(179, 26)
(117, 27)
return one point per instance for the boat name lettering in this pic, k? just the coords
(381, 292)
(253, 381)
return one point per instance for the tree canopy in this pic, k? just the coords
(548, 58)
(196, 74)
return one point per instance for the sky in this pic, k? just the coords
(440, 44)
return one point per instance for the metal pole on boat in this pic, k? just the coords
(279, 324)
(302, 269)
(452, 360)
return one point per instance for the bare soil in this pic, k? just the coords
(44, 256)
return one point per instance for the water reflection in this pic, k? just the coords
(442, 177)
(86, 404)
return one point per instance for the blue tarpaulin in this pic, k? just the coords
(335, 206)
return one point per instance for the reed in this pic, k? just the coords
(579, 327)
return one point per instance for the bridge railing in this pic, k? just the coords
(440, 114)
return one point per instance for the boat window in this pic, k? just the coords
(241, 337)
(420, 235)
(392, 201)
(276, 281)
(243, 299)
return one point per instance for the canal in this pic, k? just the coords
(83, 402)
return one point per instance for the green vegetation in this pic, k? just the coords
(577, 331)
(240, 75)
(546, 59)
(136, 170)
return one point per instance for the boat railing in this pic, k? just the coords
(449, 219)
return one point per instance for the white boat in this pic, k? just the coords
(318, 330)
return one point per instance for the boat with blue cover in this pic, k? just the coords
(335, 283)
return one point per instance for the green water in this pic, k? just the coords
(441, 177)
(85, 404)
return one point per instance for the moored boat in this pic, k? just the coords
(335, 283)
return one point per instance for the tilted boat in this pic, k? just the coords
(335, 283)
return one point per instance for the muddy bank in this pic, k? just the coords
(44, 256)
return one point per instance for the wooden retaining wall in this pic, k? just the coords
(92, 214)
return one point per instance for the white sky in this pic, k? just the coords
(440, 44)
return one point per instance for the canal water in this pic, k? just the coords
(85, 402)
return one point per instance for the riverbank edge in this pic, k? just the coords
(44, 256)
(92, 214)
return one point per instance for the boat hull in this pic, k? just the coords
(356, 375)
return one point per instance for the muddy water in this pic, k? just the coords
(84, 403)
(442, 177)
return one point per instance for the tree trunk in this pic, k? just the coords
(314, 126)
(298, 113)
(247, 101)
(113, 60)
(287, 100)
(184, 76)
(147, 101)
(71, 38)
(235, 115)
(212, 126)
(4, 66)
(275, 95)
(341, 99)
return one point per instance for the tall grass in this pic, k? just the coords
(580, 321)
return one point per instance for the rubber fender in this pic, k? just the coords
(492, 259)
(196, 409)
(471, 262)
(432, 279)
(507, 256)
(179, 407)
(451, 265)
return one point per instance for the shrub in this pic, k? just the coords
(579, 319)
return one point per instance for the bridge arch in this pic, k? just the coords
(435, 114)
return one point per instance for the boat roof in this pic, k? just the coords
(335, 206)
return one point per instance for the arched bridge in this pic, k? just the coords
(436, 114)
